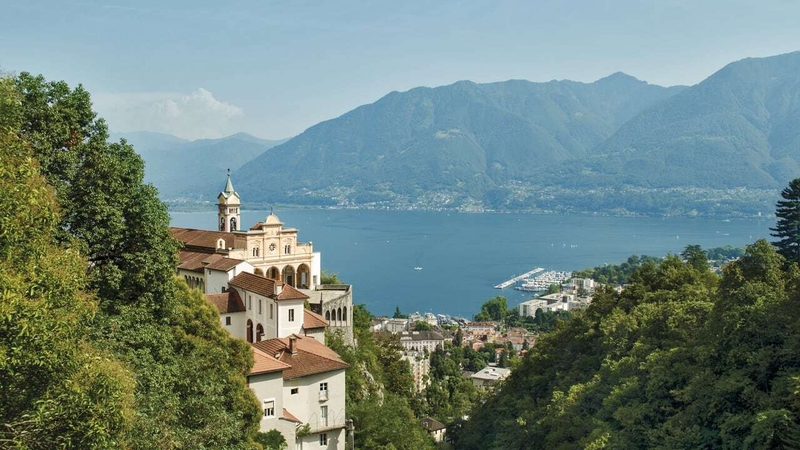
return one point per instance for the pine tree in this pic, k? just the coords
(787, 229)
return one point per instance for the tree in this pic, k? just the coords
(190, 389)
(421, 325)
(330, 278)
(787, 229)
(398, 314)
(57, 388)
(695, 257)
(553, 289)
(271, 440)
(495, 308)
(458, 338)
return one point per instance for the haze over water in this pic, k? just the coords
(463, 255)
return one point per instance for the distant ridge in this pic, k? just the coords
(446, 146)
(618, 145)
(182, 169)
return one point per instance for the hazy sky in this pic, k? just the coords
(273, 68)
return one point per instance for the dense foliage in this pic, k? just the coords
(682, 358)
(381, 398)
(787, 230)
(155, 361)
(615, 273)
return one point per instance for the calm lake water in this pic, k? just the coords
(463, 255)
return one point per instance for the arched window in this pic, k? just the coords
(249, 330)
(339, 314)
(259, 332)
(233, 223)
(328, 316)
(344, 314)
(221, 224)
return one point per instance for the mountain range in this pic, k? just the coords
(186, 170)
(724, 146)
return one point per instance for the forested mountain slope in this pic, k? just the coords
(454, 141)
(738, 128)
(681, 358)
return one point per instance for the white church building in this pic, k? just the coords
(260, 280)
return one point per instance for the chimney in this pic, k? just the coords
(278, 288)
(293, 344)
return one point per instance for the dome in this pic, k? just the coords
(272, 219)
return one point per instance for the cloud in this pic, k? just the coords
(191, 116)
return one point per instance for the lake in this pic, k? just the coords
(463, 255)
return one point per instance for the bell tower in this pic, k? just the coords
(228, 201)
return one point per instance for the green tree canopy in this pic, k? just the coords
(787, 228)
(190, 389)
(495, 308)
(57, 388)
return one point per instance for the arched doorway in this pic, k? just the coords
(249, 330)
(328, 316)
(259, 332)
(344, 314)
(288, 275)
(303, 276)
(274, 273)
(339, 314)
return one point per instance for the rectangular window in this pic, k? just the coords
(295, 391)
(323, 416)
(250, 302)
(259, 306)
(323, 387)
(323, 439)
(228, 320)
(270, 310)
(269, 408)
(291, 315)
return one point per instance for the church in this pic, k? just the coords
(266, 285)
(214, 261)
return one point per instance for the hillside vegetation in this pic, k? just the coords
(101, 346)
(682, 358)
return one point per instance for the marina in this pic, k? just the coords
(519, 278)
(543, 281)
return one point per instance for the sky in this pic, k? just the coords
(204, 69)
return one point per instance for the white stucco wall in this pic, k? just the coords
(305, 405)
(238, 326)
(316, 269)
(269, 386)
(285, 328)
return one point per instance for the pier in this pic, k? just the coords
(516, 279)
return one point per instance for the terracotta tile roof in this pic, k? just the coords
(290, 417)
(191, 260)
(224, 264)
(254, 283)
(265, 363)
(202, 238)
(197, 261)
(266, 287)
(421, 336)
(312, 356)
(290, 293)
(431, 424)
(227, 302)
(312, 320)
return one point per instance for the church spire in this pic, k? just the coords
(228, 184)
